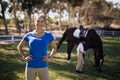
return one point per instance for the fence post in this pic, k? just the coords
(113, 33)
(12, 38)
(100, 32)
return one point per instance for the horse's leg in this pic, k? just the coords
(100, 62)
(100, 59)
(69, 50)
(96, 58)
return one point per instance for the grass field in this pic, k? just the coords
(12, 66)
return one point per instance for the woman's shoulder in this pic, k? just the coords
(29, 33)
(48, 32)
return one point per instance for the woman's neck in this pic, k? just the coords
(38, 31)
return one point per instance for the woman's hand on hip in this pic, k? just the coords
(28, 58)
(46, 58)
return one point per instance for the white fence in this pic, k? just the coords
(58, 34)
(10, 38)
(105, 32)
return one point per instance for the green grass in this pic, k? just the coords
(12, 66)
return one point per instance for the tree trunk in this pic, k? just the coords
(69, 14)
(15, 18)
(45, 18)
(4, 19)
(60, 23)
(29, 21)
(5, 23)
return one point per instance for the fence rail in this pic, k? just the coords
(58, 34)
(10, 38)
(110, 33)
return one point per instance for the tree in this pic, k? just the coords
(4, 6)
(13, 9)
(72, 5)
(29, 6)
(96, 12)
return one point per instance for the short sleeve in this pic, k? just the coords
(80, 47)
(25, 37)
(51, 37)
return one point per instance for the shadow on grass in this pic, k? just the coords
(10, 62)
(9, 69)
(111, 66)
(111, 70)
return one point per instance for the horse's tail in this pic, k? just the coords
(62, 39)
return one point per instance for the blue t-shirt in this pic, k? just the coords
(38, 47)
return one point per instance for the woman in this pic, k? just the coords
(38, 41)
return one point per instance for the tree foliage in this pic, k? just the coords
(91, 11)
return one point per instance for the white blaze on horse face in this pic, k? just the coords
(69, 61)
(101, 60)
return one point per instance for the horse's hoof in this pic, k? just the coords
(69, 61)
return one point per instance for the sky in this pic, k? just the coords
(114, 1)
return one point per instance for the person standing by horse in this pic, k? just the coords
(80, 56)
(38, 41)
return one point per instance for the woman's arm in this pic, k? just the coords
(54, 49)
(20, 46)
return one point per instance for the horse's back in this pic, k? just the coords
(71, 30)
(68, 35)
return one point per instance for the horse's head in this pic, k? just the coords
(100, 62)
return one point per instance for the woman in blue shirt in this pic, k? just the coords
(38, 41)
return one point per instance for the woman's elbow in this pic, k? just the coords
(18, 47)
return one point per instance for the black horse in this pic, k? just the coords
(92, 41)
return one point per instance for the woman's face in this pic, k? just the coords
(39, 22)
